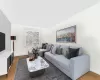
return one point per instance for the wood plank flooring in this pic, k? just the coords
(12, 70)
(90, 76)
(11, 73)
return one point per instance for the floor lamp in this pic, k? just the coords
(13, 38)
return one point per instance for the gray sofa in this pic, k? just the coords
(74, 67)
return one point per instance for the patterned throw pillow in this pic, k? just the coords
(51, 48)
(53, 51)
(65, 50)
(59, 51)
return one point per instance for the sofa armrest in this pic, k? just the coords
(79, 66)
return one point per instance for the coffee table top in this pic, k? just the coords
(37, 64)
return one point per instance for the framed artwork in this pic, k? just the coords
(66, 35)
(32, 38)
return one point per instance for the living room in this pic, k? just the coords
(24, 29)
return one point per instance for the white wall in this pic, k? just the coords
(19, 31)
(1, 4)
(5, 27)
(88, 32)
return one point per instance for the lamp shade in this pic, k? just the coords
(13, 37)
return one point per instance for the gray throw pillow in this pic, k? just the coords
(51, 48)
(48, 47)
(65, 50)
(59, 51)
(53, 51)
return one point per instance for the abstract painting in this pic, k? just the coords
(32, 38)
(66, 34)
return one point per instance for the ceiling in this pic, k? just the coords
(42, 13)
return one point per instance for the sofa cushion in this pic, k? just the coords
(50, 54)
(65, 50)
(63, 61)
(60, 60)
(72, 53)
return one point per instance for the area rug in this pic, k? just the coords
(51, 73)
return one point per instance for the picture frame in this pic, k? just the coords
(66, 35)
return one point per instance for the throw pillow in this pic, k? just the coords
(59, 51)
(72, 53)
(44, 45)
(48, 47)
(65, 50)
(51, 48)
(53, 51)
(80, 49)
